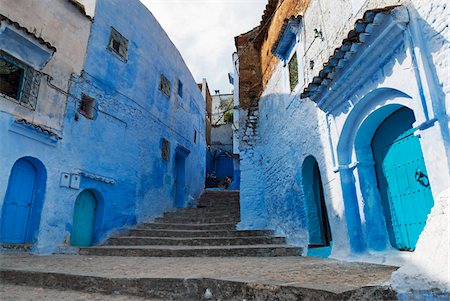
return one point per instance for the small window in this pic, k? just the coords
(195, 136)
(164, 85)
(118, 43)
(87, 106)
(18, 81)
(11, 78)
(293, 72)
(180, 88)
(165, 149)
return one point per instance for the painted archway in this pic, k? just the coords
(317, 215)
(368, 223)
(22, 206)
(84, 217)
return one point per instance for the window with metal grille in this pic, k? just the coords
(87, 106)
(293, 72)
(180, 88)
(118, 44)
(164, 85)
(165, 149)
(18, 81)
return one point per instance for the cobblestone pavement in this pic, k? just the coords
(25, 293)
(308, 272)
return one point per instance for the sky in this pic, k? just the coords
(204, 31)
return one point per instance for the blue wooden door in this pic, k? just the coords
(83, 219)
(17, 204)
(408, 188)
(179, 181)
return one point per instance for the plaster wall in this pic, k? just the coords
(44, 19)
(283, 129)
(133, 115)
(117, 154)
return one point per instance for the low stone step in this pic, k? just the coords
(211, 251)
(186, 288)
(198, 233)
(203, 211)
(203, 220)
(192, 241)
(200, 215)
(178, 226)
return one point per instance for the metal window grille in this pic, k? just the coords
(165, 149)
(19, 82)
(164, 85)
(293, 72)
(118, 43)
(87, 106)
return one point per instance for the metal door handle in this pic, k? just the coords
(422, 178)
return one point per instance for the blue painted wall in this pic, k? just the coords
(117, 154)
(132, 116)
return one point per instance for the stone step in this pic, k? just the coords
(201, 215)
(183, 251)
(193, 241)
(208, 211)
(192, 220)
(198, 233)
(178, 226)
(187, 288)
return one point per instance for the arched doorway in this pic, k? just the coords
(317, 216)
(367, 211)
(23, 202)
(84, 219)
(402, 178)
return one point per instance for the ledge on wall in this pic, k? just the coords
(24, 45)
(35, 132)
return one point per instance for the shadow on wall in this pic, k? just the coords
(297, 198)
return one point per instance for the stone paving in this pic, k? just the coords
(10, 292)
(307, 272)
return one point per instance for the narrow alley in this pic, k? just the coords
(224, 150)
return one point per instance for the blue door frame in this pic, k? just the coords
(18, 203)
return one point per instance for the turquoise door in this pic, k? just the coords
(18, 201)
(83, 219)
(408, 189)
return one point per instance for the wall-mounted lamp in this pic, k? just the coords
(318, 34)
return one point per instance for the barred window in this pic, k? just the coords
(293, 72)
(87, 106)
(164, 85)
(118, 43)
(18, 81)
(165, 149)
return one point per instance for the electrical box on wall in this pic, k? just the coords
(75, 181)
(65, 180)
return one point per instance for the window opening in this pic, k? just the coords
(11, 78)
(87, 106)
(165, 149)
(18, 81)
(164, 85)
(293, 72)
(118, 43)
(180, 88)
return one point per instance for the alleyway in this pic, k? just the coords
(186, 252)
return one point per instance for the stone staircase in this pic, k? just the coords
(206, 231)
